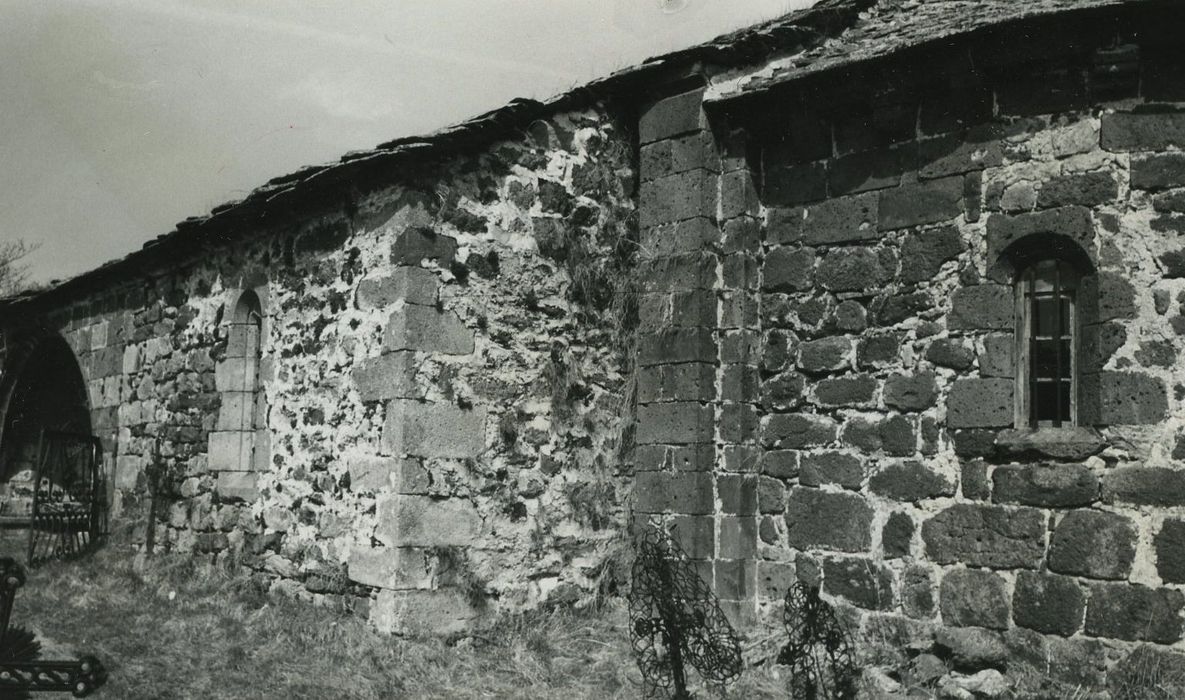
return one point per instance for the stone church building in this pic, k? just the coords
(887, 294)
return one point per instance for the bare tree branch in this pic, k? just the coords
(14, 277)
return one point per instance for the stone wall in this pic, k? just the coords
(882, 366)
(436, 420)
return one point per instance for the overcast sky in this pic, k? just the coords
(119, 118)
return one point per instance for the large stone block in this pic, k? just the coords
(737, 494)
(1152, 486)
(414, 285)
(910, 481)
(1073, 222)
(1048, 604)
(424, 521)
(425, 328)
(1046, 485)
(980, 403)
(982, 307)
(433, 429)
(679, 154)
(230, 450)
(951, 353)
(423, 613)
(1106, 296)
(672, 116)
(974, 598)
(738, 194)
(679, 273)
(795, 184)
(911, 392)
(237, 486)
(415, 244)
(692, 381)
(679, 237)
(868, 170)
(831, 468)
(676, 197)
(389, 376)
(856, 268)
(1145, 131)
(681, 422)
(825, 354)
(878, 349)
(1123, 398)
(1134, 612)
(798, 430)
(841, 220)
(1158, 171)
(865, 583)
(370, 473)
(696, 534)
(687, 492)
(953, 154)
(1093, 544)
(235, 374)
(736, 579)
(1170, 551)
(820, 519)
(677, 345)
(852, 390)
(236, 411)
(788, 270)
(783, 392)
(1084, 189)
(921, 203)
(996, 358)
(998, 537)
(390, 567)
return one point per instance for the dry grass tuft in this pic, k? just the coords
(180, 629)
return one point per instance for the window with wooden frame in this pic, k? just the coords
(1047, 345)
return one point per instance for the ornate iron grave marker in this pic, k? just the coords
(675, 620)
(819, 652)
(20, 669)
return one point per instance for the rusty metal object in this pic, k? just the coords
(675, 620)
(20, 670)
(819, 651)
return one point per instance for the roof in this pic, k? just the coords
(830, 34)
(891, 26)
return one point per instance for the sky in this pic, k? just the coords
(120, 118)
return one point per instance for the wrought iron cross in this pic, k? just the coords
(20, 669)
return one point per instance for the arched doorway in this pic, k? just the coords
(48, 393)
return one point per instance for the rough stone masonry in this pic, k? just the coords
(764, 291)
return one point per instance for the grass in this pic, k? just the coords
(175, 628)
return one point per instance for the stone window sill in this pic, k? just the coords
(1063, 444)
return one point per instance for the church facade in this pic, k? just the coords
(886, 296)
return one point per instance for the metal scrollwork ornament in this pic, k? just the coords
(21, 669)
(819, 651)
(675, 620)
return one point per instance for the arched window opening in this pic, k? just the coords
(245, 345)
(240, 441)
(1047, 347)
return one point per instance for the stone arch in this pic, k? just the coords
(43, 389)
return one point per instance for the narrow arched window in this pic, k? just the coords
(246, 331)
(1047, 370)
